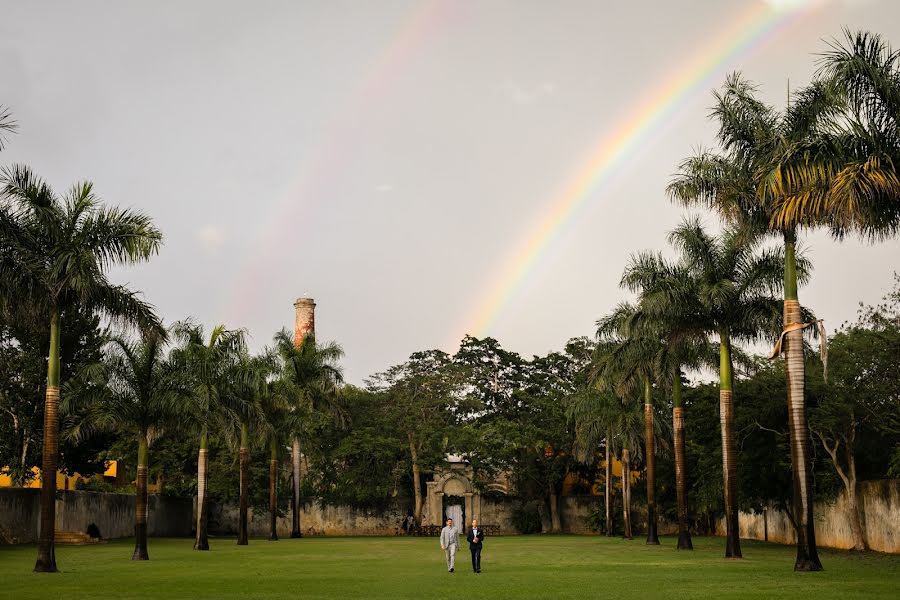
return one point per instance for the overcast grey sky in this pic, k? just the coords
(390, 158)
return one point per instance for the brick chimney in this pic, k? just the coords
(304, 319)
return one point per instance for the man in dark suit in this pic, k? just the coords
(475, 539)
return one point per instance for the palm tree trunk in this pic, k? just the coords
(46, 558)
(608, 487)
(417, 484)
(801, 456)
(729, 451)
(626, 493)
(652, 535)
(295, 489)
(202, 540)
(140, 501)
(684, 536)
(244, 457)
(273, 491)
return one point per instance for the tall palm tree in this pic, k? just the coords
(679, 344)
(754, 137)
(845, 177)
(55, 251)
(309, 382)
(629, 361)
(727, 285)
(209, 362)
(276, 415)
(242, 410)
(135, 390)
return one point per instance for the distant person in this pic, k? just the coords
(475, 539)
(449, 544)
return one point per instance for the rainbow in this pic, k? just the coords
(751, 30)
(334, 150)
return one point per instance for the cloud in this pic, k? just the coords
(520, 94)
(383, 188)
(211, 236)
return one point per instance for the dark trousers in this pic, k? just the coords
(476, 557)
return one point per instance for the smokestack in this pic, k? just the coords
(304, 319)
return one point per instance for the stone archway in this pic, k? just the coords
(453, 481)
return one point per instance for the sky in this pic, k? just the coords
(423, 169)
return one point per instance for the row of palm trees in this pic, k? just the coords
(829, 159)
(55, 251)
(148, 387)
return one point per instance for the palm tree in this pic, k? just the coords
(845, 177)
(242, 409)
(55, 252)
(209, 363)
(628, 361)
(727, 287)
(309, 382)
(678, 343)
(754, 138)
(7, 124)
(135, 390)
(275, 413)
(598, 416)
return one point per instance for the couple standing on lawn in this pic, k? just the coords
(450, 543)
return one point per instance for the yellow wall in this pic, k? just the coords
(597, 486)
(62, 482)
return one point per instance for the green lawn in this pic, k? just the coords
(513, 567)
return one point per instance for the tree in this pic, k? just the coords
(24, 347)
(589, 411)
(862, 397)
(845, 177)
(208, 363)
(309, 382)
(628, 364)
(242, 409)
(599, 415)
(55, 253)
(727, 285)
(274, 413)
(7, 125)
(136, 391)
(363, 461)
(755, 138)
(420, 397)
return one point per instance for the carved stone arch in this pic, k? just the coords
(454, 484)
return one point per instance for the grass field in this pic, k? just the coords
(513, 567)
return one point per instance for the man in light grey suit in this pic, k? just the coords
(450, 543)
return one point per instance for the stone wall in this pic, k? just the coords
(113, 514)
(314, 520)
(345, 520)
(881, 513)
(174, 517)
(20, 509)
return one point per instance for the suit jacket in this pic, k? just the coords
(471, 536)
(449, 537)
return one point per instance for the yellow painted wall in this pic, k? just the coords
(597, 488)
(62, 482)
